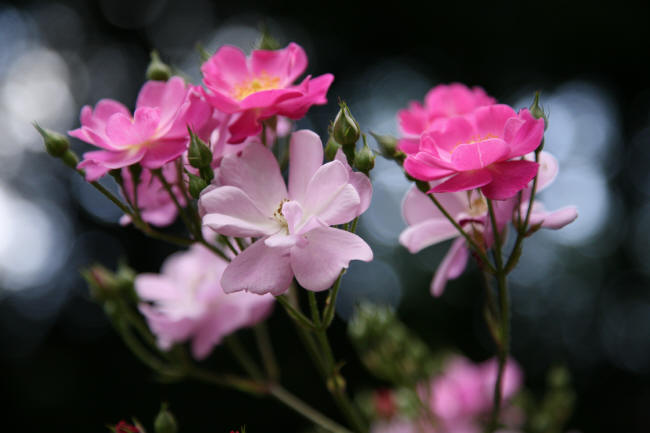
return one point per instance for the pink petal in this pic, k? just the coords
(286, 64)
(478, 155)
(268, 98)
(523, 133)
(359, 181)
(418, 207)
(408, 145)
(111, 160)
(257, 173)
(449, 133)
(424, 166)
(259, 269)
(464, 181)
(451, 266)
(228, 67)
(427, 233)
(329, 195)
(548, 168)
(104, 109)
(163, 151)
(306, 156)
(231, 212)
(166, 96)
(315, 93)
(247, 125)
(328, 251)
(554, 220)
(491, 120)
(508, 178)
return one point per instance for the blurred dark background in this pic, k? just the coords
(580, 296)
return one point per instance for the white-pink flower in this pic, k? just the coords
(292, 224)
(186, 302)
(428, 226)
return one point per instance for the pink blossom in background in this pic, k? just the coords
(155, 204)
(428, 226)
(477, 150)
(441, 102)
(154, 135)
(261, 86)
(186, 302)
(292, 224)
(463, 393)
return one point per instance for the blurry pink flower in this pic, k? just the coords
(293, 224)
(153, 136)
(441, 102)
(261, 86)
(155, 204)
(186, 302)
(428, 226)
(464, 392)
(476, 151)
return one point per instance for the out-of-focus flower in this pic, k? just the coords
(186, 302)
(155, 205)
(464, 392)
(428, 226)
(293, 224)
(441, 102)
(154, 135)
(261, 86)
(477, 151)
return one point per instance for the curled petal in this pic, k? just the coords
(427, 233)
(451, 266)
(508, 178)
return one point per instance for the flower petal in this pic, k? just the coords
(508, 178)
(464, 181)
(478, 155)
(231, 212)
(427, 233)
(451, 266)
(256, 172)
(306, 156)
(259, 269)
(327, 252)
(330, 197)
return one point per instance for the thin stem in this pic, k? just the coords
(313, 306)
(181, 211)
(467, 237)
(498, 258)
(265, 347)
(305, 410)
(330, 302)
(294, 313)
(243, 358)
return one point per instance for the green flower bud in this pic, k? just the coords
(197, 184)
(70, 159)
(199, 154)
(165, 421)
(364, 160)
(331, 148)
(266, 41)
(388, 147)
(157, 70)
(538, 111)
(56, 144)
(346, 130)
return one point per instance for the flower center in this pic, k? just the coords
(277, 215)
(262, 82)
(477, 207)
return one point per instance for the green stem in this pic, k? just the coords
(307, 411)
(265, 347)
(181, 211)
(463, 233)
(294, 313)
(330, 302)
(243, 358)
(313, 306)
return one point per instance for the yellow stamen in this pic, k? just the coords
(262, 82)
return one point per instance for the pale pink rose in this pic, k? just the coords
(261, 86)
(428, 226)
(441, 102)
(477, 150)
(155, 205)
(292, 224)
(154, 135)
(186, 302)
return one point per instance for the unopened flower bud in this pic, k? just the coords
(346, 130)
(538, 111)
(165, 421)
(331, 148)
(56, 144)
(266, 41)
(197, 184)
(336, 382)
(388, 146)
(157, 70)
(364, 160)
(199, 154)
